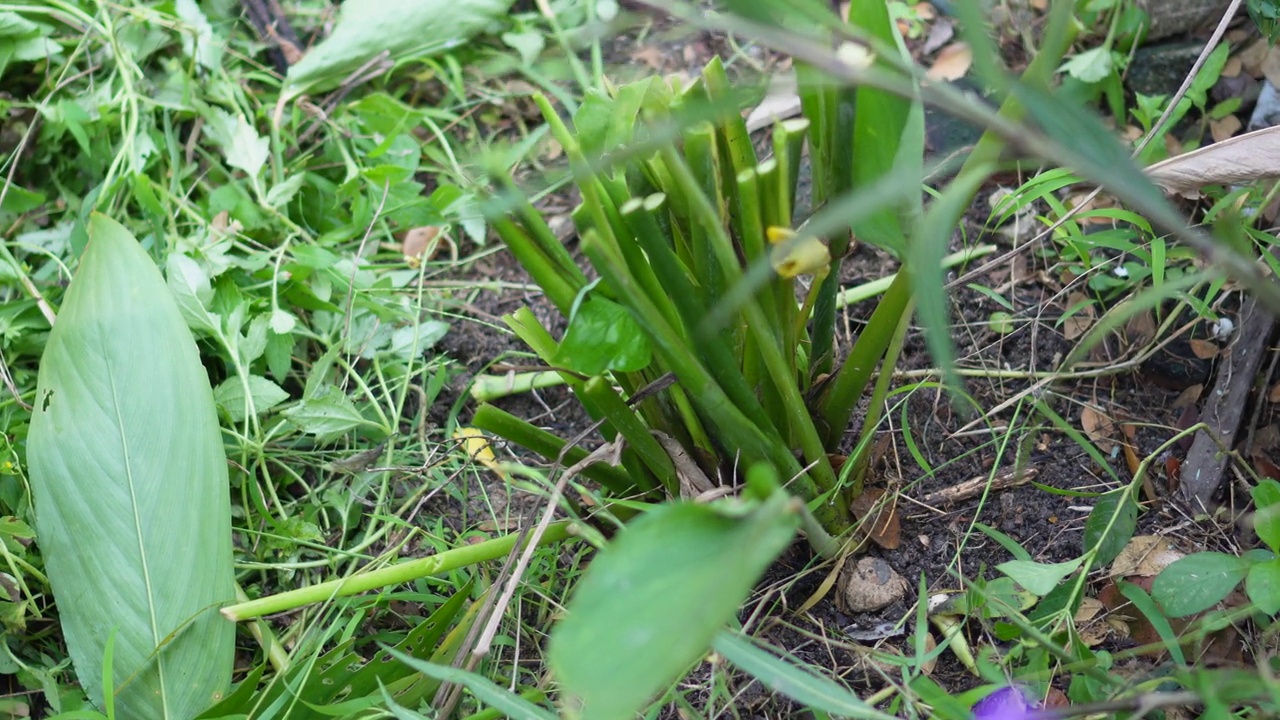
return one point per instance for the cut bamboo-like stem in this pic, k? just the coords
(391, 575)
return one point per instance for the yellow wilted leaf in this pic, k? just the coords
(789, 260)
(478, 449)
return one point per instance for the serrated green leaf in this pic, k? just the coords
(263, 395)
(327, 416)
(1090, 66)
(1039, 578)
(129, 478)
(1096, 535)
(192, 291)
(240, 143)
(653, 600)
(1263, 586)
(1197, 582)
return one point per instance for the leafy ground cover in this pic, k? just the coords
(328, 236)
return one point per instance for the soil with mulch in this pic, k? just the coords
(952, 441)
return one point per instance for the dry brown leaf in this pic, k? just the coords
(1081, 320)
(1252, 57)
(1099, 427)
(1204, 349)
(1271, 66)
(940, 33)
(879, 517)
(1144, 556)
(1232, 67)
(418, 241)
(1140, 329)
(929, 644)
(1188, 398)
(1241, 159)
(650, 55)
(952, 63)
(780, 102)
(1225, 128)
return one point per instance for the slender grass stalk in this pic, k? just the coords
(392, 575)
(788, 147)
(559, 289)
(636, 433)
(845, 388)
(731, 130)
(796, 425)
(741, 436)
(876, 403)
(526, 435)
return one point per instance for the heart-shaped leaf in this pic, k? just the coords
(133, 512)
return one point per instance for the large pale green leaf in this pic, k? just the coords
(655, 598)
(401, 28)
(133, 513)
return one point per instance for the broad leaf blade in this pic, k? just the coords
(130, 486)
(402, 28)
(655, 598)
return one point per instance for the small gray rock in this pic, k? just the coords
(868, 584)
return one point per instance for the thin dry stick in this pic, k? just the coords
(1218, 32)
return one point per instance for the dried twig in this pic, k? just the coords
(1003, 480)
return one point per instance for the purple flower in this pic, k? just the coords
(1008, 703)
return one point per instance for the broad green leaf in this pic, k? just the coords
(1039, 578)
(1197, 582)
(402, 28)
(1266, 519)
(129, 478)
(888, 132)
(1263, 586)
(1109, 544)
(602, 336)
(798, 683)
(263, 395)
(604, 123)
(653, 600)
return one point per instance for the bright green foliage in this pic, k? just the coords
(1199, 581)
(130, 485)
(401, 28)
(657, 596)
